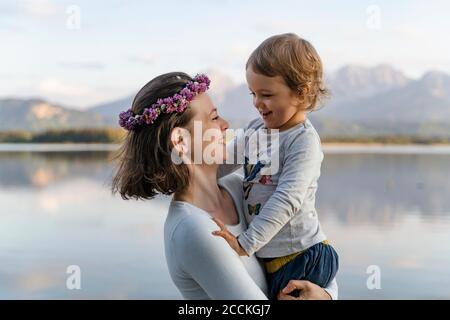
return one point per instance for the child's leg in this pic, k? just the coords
(318, 264)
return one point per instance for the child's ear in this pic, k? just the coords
(303, 92)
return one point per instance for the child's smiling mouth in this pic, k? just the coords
(266, 114)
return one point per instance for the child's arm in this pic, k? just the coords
(301, 166)
(229, 237)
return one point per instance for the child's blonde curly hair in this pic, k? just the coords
(296, 61)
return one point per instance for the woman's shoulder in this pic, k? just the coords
(232, 182)
(187, 222)
(188, 232)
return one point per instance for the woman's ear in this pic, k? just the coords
(179, 141)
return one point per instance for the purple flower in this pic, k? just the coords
(151, 114)
(202, 78)
(188, 94)
(177, 103)
(182, 106)
(130, 124)
(168, 100)
(171, 108)
(124, 118)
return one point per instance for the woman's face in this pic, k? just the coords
(207, 132)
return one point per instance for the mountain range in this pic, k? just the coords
(364, 101)
(38, 115)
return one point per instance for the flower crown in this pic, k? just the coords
(177, 103)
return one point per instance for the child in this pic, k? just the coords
(284, 75)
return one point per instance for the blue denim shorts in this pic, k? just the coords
(317, 264)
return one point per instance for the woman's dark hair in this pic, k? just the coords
(145, 167)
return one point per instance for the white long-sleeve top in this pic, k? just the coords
(204, 266)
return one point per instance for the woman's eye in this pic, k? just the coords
(252, 94)
(216, 118)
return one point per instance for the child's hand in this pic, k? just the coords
(229, 237)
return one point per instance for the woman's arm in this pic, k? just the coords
(211, 262)
(309, 291)
(333, 289)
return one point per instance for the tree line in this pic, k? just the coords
(116, 135)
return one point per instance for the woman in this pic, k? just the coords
(160, 157)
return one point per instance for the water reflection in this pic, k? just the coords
(381, 188)
(40, 169)
(375, 185)
(389, 210)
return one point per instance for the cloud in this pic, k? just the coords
(51, 87)
(39, 8)
(241, 51)
(14, 15)
(7, 9)
(142, 59)
(410, 31)
(83, 65)
(275, 26)
(74, 94)
(8, 15)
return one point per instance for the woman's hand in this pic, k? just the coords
(308, 291)
(229, 237)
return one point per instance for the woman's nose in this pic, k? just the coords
(224, 125)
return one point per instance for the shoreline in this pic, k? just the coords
(331, 147)
(380, 148)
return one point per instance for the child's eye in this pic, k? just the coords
(252, 94)
(267, 95)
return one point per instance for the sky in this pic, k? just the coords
(82, 53)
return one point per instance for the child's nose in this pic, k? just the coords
(257, 102)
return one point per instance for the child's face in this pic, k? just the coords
(278, 105)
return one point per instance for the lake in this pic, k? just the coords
(386, 208)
